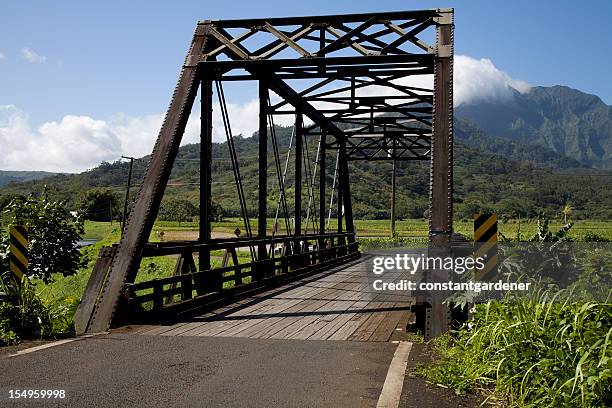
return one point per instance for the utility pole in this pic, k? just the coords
(127, 192)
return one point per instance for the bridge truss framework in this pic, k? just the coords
(348, 81)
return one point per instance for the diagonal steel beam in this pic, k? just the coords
(140, 221)
(287, 40)
(346, 38)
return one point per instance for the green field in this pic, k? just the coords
(69, 289)
(413, 228)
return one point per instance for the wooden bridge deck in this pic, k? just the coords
(339, 304)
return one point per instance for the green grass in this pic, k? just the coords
(97, 231)
(543, 350)
(412, 228)
(70, 288)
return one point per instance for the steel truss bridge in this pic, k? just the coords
(373, 87)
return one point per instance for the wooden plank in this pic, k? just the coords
(340, 306)
(215, 326)
(282, 322)
(248, 323)
(292, 329)
(369, 326)
(323, 318)
(384, 331)
(264, 325)
(221, 324)
(344, 332)
(400, 332)
(280, 306)
(292, 324)
(338, 322)
(161, 329)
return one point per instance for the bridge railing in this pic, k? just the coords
(289, 258)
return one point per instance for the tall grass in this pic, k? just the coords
(24, 315)
(545, 350)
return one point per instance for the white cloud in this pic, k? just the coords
(474, 80)
(72, 144)
(32, 56)
(76, 143)
(2, 56)
(477, 80)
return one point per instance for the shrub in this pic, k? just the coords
(53, 235)
(22, 314)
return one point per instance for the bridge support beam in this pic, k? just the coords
(441, 175)
(322, 168)
(299, 131)
(441, 185)
(205, 178)
(263, 177)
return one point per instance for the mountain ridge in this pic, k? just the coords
(567, 121)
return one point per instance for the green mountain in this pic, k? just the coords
(469, 134)
(520, 180)
(7, 177)
(568, 122)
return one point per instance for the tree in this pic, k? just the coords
(99, 204)
(177, 210)
(53, 234)
(217, 211)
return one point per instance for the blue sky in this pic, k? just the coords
(107, 58)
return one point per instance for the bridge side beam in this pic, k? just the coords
(441, 182)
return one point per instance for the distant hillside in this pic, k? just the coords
(521, 180)
(7, 177)
(564, 120)
(469, 134)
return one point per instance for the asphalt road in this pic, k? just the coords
(120, 370)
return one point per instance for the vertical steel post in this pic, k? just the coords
(393, 169)
(205, 178)
(322, 191)
(263, 173)
(341, 241)
(298, 174)
(346, 192)
(441, 191)
(340, 197)
(437, 316)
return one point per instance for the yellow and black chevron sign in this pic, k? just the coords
(485, 244)
(19, 251)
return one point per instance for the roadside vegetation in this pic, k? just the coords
(53, 233)
(550, 347)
